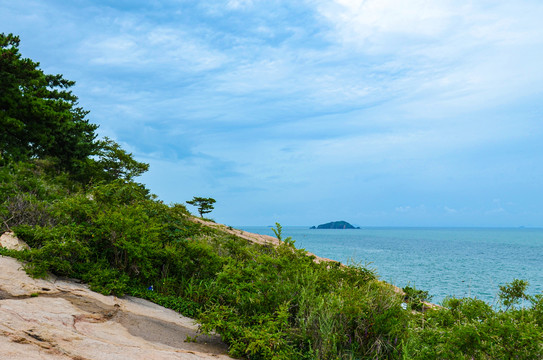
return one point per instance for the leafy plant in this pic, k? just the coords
(278, 231)
(471, 329)
(416, 297)
(513, 293)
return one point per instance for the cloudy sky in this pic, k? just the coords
(377, 112)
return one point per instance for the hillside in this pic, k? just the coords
(261, 294)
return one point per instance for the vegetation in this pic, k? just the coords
(39, 116)
(40, 119)
(265, 301)
(415, 297)
(85, 217)
(205, 205)
(335, 225)
(471, 329)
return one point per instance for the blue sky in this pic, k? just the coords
(377, 112)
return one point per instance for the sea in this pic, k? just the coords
(446, 262)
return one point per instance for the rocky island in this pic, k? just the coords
(335, 225)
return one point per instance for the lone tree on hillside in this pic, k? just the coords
(205, 205)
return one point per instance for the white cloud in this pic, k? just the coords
(360, 20)
(237, 4)
(147, 46)
(368, 104)
(367, 22)
(411, 209)
(453, 49)
(450, 210)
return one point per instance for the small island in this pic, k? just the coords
(335, 225)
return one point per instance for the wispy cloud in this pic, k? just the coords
(313, 107)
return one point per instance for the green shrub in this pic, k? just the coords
(513, 293)
(416, 297)
(471, 329)
(106, 280)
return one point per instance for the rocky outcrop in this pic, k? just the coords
(61, 319)
(335, 225)
(8, 240)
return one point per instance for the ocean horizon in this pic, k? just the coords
(445, 261)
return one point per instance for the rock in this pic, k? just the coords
(8, 240)
(335, 225)
(59, 319)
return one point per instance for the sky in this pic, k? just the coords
(376, 112)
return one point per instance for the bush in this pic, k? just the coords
(471, 329)
(416, 297)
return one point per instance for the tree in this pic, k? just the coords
(205, 205)
(40, 119)
(116, 163)
(39, 116)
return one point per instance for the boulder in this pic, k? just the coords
(9, 240)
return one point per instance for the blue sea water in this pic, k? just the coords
(445, 262)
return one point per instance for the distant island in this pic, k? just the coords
(335, 225)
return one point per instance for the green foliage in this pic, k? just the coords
(106, 280)
(278, 231)
(415, 297)
(39, 116)
(40, 119)
(364, 321)
(266, 302)
(113, 163)
(205, 205)
(245, 336)
(26, 191)
(471, 329)
(513, 293)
